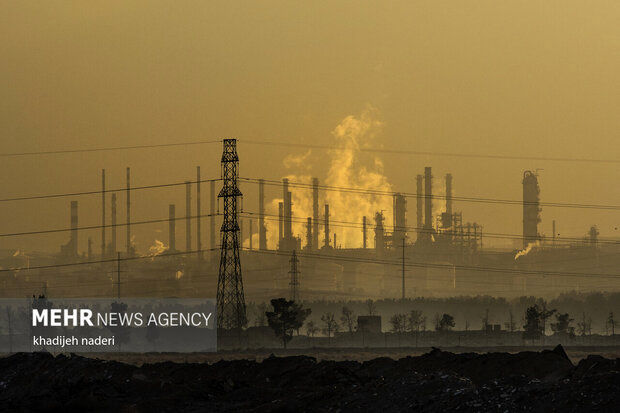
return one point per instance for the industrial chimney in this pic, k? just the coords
(419, 205)
(326, 225)
(531, 208)
(428, 201)
(262, 230)
(315, 213)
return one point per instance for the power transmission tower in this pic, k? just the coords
(230, 298)
(294, 272)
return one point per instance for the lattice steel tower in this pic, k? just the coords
(294, 273)
(230, 298)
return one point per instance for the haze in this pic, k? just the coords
(522, 78)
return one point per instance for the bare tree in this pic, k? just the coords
(371, 306)
(398, 322)
(348, 319)
(311, 328)
(331, 325)
(485, 320)
(414, 323)
(584, 327)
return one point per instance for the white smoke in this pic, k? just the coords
(530, 246)
(157, 248)
(349, 167)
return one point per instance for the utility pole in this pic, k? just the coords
(403, 269)
(198, 212)
(118, 275)
(230, 298)
(294, 272)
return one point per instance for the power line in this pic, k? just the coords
(357, 225)
(151, 221)
(444, 266)
(99, 192)
(428, 153)
(106, 149)
(413, 195)
(110, 260)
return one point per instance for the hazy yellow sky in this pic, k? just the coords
(525, 78)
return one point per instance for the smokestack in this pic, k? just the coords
(113, 241)
(198, 218)
(419, 205)
(251, 233)
(335, 242)
(74, 228)
(531, 208)
(449, 194)
(172, 236)
(315, 213)
(554, 232)
(326, 225)
(364, 231)
(188, 216)
(280, 225)
(379, 233)
(103, 213)
(400, 220)
(309, 234)
(288, 224)
(428, 200)
(212, 218)
(128, 229)
(262, 230)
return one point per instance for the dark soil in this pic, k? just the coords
(436, 381)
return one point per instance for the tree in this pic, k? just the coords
(372, 307)
(584, 327)
(611, 323)
(446, 322)
(331, 325)
(511, 325)
(414, 323)
(311, 328)
(533, 329)
(286, 317)
(545, 313)
(398, 322)
(562, 325)
(348, 319)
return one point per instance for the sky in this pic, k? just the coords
(517, 78)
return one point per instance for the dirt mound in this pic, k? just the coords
(436, 381)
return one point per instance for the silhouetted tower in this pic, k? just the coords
(400, 221)
(315, 213)
(113, 219)
(326, 225)
(364, 232)
(188, 216)
(294, 273)
(230, 297)
(309, 235)
(103, 213)
(379, 233)
(280, 225)
(419, 205)
(428, 201)
(262, 230)
(198, 211)
(531, 208)
(128, 229)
